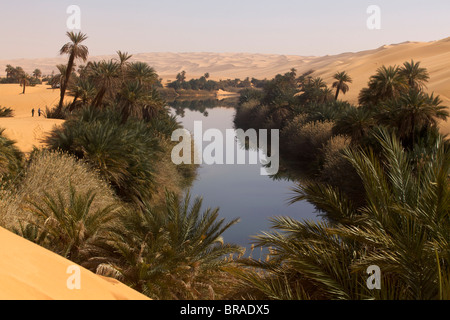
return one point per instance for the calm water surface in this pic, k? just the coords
(239, 190)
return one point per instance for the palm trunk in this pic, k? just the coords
(99, 98)
(337, 93)
(66, 81)
(24, 86)
(72, 106)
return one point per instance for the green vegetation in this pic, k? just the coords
(403, 229)
(378, 174)
(180, 85)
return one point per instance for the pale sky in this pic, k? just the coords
(36, 29)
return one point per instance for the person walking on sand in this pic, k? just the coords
(39, 112)
(32, 112)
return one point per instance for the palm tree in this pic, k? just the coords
(83, 90)
(415, 75)
(342, 78)
(105, 75)
(413, 112)
(132, 96)
(37, 73)
(142, 73)
(24, 80)
(387, 83)
(75, 50)
(123, 62)
(355, 123)
(101, 139)
(171, 252)
(10, 71)
(71, 227)
(181, 77)
(123, 58)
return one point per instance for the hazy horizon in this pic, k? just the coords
(266, 27)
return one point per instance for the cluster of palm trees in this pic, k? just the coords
(166, 247)
(128, 85)
(398, 219)
(18, 75)
(395, 98)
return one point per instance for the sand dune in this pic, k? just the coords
(29, 272)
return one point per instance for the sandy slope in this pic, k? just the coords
(29, 272)
(23, 128)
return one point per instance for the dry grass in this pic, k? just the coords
(50, 172)
(306, 141)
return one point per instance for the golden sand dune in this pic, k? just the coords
(29, 272)
(26, 130)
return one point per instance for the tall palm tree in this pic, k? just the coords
(123, 58)
(71, 227)
(415, 75)
(76, 50)
(342, 78)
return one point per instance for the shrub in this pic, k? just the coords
(11, 159)
(6, 112)
(51, 173)
(310, 138)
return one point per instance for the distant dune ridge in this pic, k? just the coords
(435, 56)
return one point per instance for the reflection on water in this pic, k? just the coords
(239, 190)
(202, 106)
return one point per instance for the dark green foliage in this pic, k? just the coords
(6, 112)
(101, 139)
(403, 229)
(171, 252)
(11, 159)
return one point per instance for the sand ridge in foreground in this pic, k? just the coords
(30, 272)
